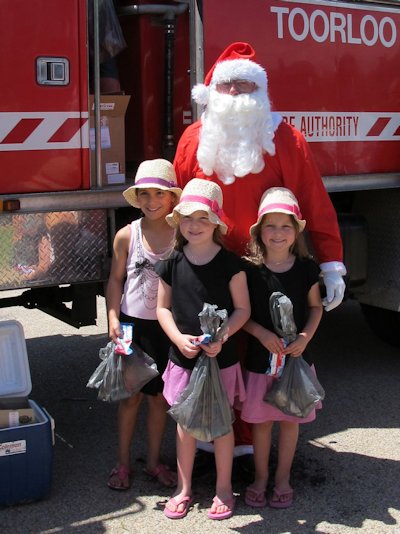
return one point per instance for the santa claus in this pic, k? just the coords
(245, 147)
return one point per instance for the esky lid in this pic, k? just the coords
(15, 375)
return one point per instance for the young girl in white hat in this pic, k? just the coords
(200, 270)
(281, 263)
(132, 298)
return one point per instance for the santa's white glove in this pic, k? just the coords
(332, 274)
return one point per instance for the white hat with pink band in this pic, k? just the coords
(279, 200)
(200, 195)
(153, 173)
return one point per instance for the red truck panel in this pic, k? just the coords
(43, 129)
(332, 70)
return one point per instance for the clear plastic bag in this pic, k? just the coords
(111, 38)
(112, 387)
(118, 376)
(203, 409)
(139, 369)
(213, 321)
(281, 309)
(297, 391)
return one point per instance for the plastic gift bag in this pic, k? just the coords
(112, 387)
(281, 310)
(203, 409)
(297, 391)
(139, 369)
(118, 376)
(213, 321)
(111, 38)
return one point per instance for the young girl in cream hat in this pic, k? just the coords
(281, 263)
(200, 270)
(132, 298)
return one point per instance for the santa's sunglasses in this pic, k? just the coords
(239, 86)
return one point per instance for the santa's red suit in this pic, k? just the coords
(292, 166)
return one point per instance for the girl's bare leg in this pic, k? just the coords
(156, 423)
(223, 448)
(288, 436)
(262, 446)
(185, 451)
(127, 416)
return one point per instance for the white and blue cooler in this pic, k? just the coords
(26, 429)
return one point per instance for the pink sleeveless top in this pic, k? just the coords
(141, 285)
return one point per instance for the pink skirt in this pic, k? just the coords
(256, 410)
(176, 378)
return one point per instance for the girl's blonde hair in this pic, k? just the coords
(257, 251)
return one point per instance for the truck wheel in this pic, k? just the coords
(384, 323)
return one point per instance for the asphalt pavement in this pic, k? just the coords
(346, 473)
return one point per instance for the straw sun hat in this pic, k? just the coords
(199, 195)
(278, 200)
(157, 173)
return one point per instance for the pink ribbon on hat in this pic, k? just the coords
(278, 205)
(159, 181)
(213, 204)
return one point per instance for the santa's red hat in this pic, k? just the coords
(235, 63)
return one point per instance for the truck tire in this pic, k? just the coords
(384, 323)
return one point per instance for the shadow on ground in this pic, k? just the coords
(334, 490)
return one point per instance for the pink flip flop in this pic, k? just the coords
(230, 503)
(283, 499)
(120, 478)
(187, 501)
(255, 498)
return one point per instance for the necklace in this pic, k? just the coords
(277, 263)
(200, 260)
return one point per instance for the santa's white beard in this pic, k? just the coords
(235, 132)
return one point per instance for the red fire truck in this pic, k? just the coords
(67, 150)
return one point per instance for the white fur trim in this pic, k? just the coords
(276, 120)
(205, 446)
(239, 450)
(240, 69)
(200, 94)
(333, 266)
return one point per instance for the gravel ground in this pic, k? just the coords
(346, 472)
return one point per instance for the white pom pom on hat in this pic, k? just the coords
(200, 94)
(235, 63)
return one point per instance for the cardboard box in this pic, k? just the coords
(112, 134)
(26, 445)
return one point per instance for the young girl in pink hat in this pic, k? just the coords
(200, 270)
(132, 298)
(280, 262)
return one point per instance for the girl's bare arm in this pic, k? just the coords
(116, 280)
(297, 347)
